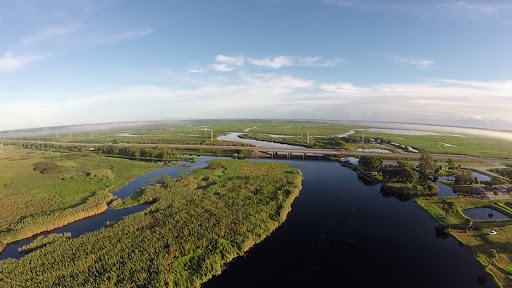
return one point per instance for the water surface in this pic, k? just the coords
(233, 137)
(96, 222)
(341, 233)
(484, 214)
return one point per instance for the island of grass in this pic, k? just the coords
(494, 252)
(404, 178)
(195, 226)
(44, 190)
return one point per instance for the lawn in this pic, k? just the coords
(477, 239)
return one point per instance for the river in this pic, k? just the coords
(233, 137)
(339, 233)
(342, 233)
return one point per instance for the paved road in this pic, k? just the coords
(393, 155)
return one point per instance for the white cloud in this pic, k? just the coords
(288, 61)
(196, 71)
(127, 35)
(48, 34)
(421, 64)
(228, 60)
(478, 9)
(271, 95)
(342, 87)
(275, 63)
(339, 3)
(228, 63)
(220, 67)
(8, 62)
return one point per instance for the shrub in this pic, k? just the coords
(101, 174)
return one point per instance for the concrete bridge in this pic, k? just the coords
(290, 153)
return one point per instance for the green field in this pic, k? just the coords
(477, 239)
(195, 133)
(295, 132)
(196, 225)
(62, 188)
(466, 144)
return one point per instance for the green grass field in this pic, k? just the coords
(27, 195)
(478, 240)
(468, 144)
(195, 133)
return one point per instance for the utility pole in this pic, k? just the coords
(211, 134)
(300, 136)
(308, 136)
(2, 148)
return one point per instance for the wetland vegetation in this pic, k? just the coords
(193, 226)
(197, 224)
(42, 190)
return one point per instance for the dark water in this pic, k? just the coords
(445, 191)
(483, 214)
(76, 229)
(481, 177)
(96, 222)
(341, 233)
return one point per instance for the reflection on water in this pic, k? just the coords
(484, 214)
(233, 137)
(343, 233)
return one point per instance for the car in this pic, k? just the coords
(492, 232)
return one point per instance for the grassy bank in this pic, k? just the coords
(477, 238)
(196, 225)
(448, 144)
(42, 190)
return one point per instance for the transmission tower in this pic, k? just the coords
(2, 148)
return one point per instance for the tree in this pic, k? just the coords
(369, 163)
(468, 223)
(449, 208)
(399, 174)
(464, 177)
(426, 165)
(495, 194)
(451, 164)
(404, 164)
(493, 254)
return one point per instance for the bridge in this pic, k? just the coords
(286, 152)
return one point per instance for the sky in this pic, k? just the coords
(80, 62)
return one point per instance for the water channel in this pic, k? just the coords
(96, 222)
(340, 232)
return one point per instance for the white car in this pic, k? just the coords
(492, 232)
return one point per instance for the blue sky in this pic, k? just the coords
(77, 62)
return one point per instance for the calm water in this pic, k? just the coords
(483, 214)
(233, 137)
(341, 233)
(481, 177)
(445, 191)
(96, 222)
